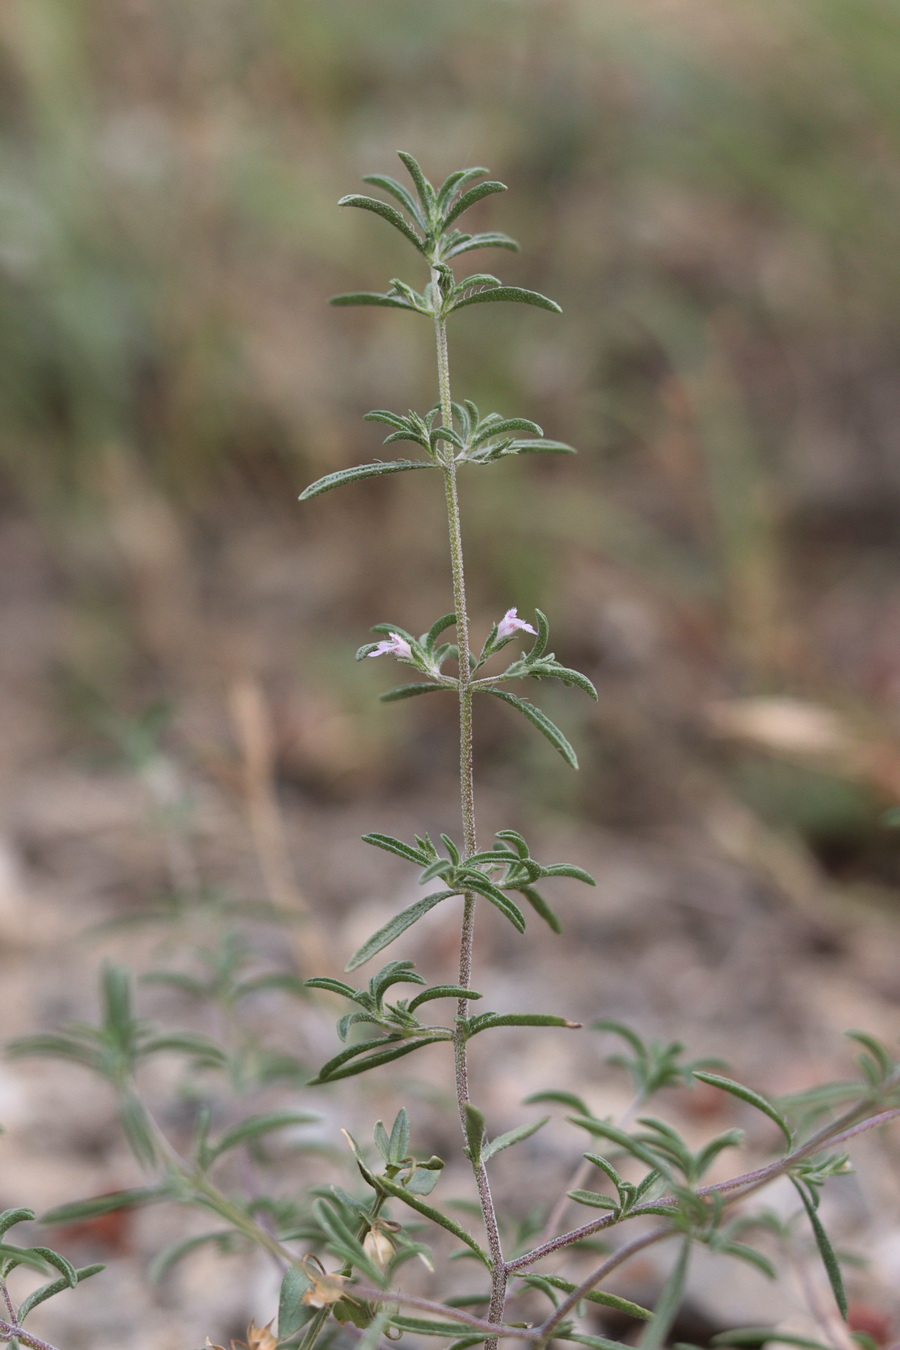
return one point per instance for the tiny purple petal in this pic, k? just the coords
(394, 645)
(511, 623)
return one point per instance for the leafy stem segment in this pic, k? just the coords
(450, 435)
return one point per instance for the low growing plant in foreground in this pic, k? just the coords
(638, 1185)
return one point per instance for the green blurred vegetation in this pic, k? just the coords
(712, 193)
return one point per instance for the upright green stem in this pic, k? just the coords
(467, 804)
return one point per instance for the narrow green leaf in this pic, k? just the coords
(569, 870)
(254, 1128)
(388, 213)
(332, 986)
(505, 856)
(452, 850)
(394, 927)
(57, 1286)
(397, 190)
(115, 985)
(422, 1326)
(474, 1120)
(540, 907)
(626, 1032)
(594, 1342)
(225, 1239)
(607, 1168)
(746, 1095)
(541, 721)
(186, 1043)
(484, 1021)
(10, 1217)
(423, 187)
(606, 1130)
(369, 298)
(757, 1336)
(554, 671)
(668, 1303)
(512, 836)
(442, 991)
(352, 1051)
(441, 867)
(878, 1052)
(826, 1251)
(398, 1147)
(488, 239)
(375, 470)
(408, 436)
(276, 979)
(469, 198)
(743, 1252)
(395, 972)
(429, 1212)
(557, 1098)
(339, 1067)
(542, 447)
(344, 1242)
(138, 1131)
(454, 182)
(12, 1256)
(392, 845)
(481, 886)
(622, 1305)
(103, 1204)
(388, 418)
(540, 642)
(705, 1156)
(594, 1199)
(504, 425)
(56, 1047)
(65, 1268)
(382, 1142)
(402, 691)
(513, 293)
(511, 1137)
(481, 279)
(439, 626)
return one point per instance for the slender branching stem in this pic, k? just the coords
(618, 1258)
(467, 805)
(582, 1175)
(838, 1132)
(9, 1331)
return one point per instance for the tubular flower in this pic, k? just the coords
(510, 624)
(394, 645)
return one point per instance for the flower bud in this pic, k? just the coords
(378, 1246)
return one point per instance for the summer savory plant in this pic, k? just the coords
(341, 1251)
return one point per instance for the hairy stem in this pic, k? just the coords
(467, 805)
(11, 1332)
(734, 1189)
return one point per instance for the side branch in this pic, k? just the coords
(11, 1332)
(734, 1189)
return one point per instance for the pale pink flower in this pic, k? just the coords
(394, 645)
(511, 623)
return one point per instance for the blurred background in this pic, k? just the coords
(713, 196)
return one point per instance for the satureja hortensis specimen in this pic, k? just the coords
(640, 1184)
